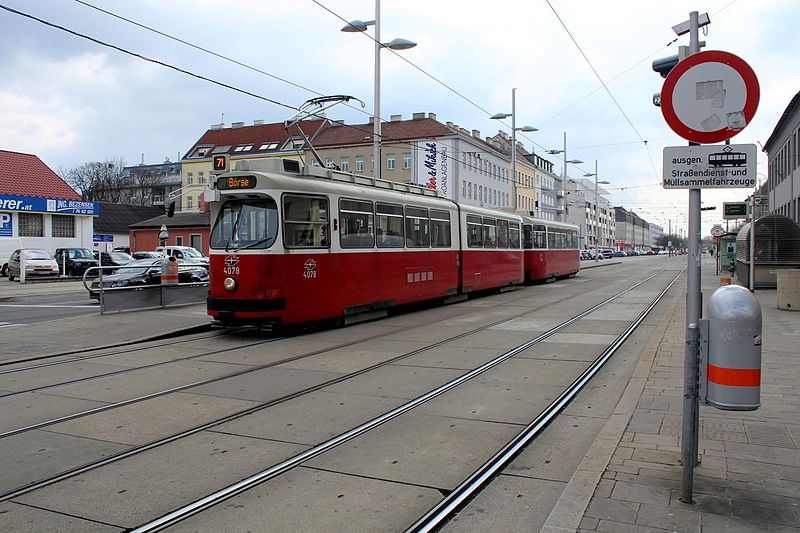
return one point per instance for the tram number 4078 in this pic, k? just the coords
(309, 274)
(230, 270)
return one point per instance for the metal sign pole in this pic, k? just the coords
(751, 274)
(693, 305)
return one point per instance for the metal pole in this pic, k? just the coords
(564, 177)
(693, 304)
(596, 224)
(376, 129)
(751, 283)
(514, 149)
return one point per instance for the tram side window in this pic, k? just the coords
(502, 233)
(552, 238)
(539, 237)
(513, 235)
(474, 232)
(417, 228)
(389, 230)
(527, 236)
(489, 232)
(306, 223)
(356, 224)
(440, 229)
(573, 239)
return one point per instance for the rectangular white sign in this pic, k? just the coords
(433, 166)
(710, 166)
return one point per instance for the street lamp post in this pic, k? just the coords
(572, 161)
(514, 130)
(596, 209)
(396, 44)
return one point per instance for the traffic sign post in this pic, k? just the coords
(710, 97)
(729, 166)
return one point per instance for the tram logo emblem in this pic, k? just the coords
(232, 260)
(311, 264)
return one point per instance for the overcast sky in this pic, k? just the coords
(69, 100)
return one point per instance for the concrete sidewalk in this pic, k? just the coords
(749, 478)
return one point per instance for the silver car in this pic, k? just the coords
(37, 263)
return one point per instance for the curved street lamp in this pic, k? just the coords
(514, 130)
(396, 44)
(596, 209)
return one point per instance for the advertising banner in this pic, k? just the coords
(433, 168)
(54, 206)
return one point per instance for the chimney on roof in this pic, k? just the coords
(259, 122)
(217, 126)
(396, 118)
(476, 134)
(237, 124)
(417, 116)
(449, 124)
(463, 131)
(142, 163)
(432, 116)
(372, 120)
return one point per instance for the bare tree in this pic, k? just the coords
(97, 180)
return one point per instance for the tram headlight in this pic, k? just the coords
(229, 284)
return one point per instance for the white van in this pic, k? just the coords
(191, 255)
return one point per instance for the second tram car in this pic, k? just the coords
(292, 244)
(551, 250)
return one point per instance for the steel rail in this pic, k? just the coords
(234, 489)
(250, 410)
(477, 480)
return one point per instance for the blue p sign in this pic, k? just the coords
(5, 224)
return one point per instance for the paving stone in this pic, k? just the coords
(19, 518)
(675, 516)
(610, 526)
(611, 509)
(760, 512)
(640, 493)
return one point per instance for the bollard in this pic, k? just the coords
(169, 271)
(734, 350)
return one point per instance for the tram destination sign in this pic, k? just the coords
(719, 166)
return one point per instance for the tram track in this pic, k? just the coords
(239, 414)
(231, 375)
(477, 479)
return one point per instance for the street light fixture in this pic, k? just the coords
(596, 209)
(572, 161)
(514, 130)
(396, 44)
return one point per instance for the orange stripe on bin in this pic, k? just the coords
(734, 377)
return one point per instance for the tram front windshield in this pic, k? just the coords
(245, 224)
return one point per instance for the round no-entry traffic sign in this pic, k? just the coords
(710, 96)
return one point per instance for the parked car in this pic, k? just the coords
(112, 259)
(148, 272)
(607, 254)
(123, 249)
(649, 252)
(74, 261)
(620, 253)
(37, 263)
(146, 255)
(585, 255)
(184, 252)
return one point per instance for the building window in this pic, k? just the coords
(201, 176)
(63, 226)
(406, 160)
(268, 146)
(329, 162)
(390, 162)
(243, 148)
(31, 225)
(346, 164)
(188, 202)
(189, 178)
(221, 149)
(359, 163)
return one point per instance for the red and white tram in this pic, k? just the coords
(551, 250)
(293, 244)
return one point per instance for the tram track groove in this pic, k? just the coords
(278, 469)
(264, 405)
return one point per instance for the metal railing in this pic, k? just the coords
(116, 299)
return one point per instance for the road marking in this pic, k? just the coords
(9, 325)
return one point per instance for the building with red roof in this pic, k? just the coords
(38, 209)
